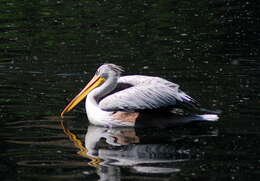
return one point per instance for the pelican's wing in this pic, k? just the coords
(146, 93)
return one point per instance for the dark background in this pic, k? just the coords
(50, 49)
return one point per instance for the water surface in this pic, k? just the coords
(50, 49)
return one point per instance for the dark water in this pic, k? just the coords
(50, 49)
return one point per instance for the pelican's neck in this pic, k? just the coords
(95, 114)
(108, 86)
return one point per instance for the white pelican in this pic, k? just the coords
(113, 100)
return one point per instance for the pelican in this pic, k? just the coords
(113, 100)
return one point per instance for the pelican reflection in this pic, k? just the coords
(139, 150)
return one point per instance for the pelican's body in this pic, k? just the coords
(113, 100)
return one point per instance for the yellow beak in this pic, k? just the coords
(95, 82)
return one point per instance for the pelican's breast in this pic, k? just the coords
(98, 116)
(126, 117)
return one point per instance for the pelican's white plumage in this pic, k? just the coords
(144, 92)
(113, 100)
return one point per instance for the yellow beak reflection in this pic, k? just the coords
(95, 82)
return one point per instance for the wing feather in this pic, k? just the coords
(146, 93)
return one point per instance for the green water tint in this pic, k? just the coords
(51, 49)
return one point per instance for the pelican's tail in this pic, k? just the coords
(199, 118)
(207, 117)
(193, 106)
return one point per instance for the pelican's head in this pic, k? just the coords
(104, 72)
(109, 70)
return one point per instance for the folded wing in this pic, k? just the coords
(145, 93)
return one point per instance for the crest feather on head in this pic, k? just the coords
(116, 68)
